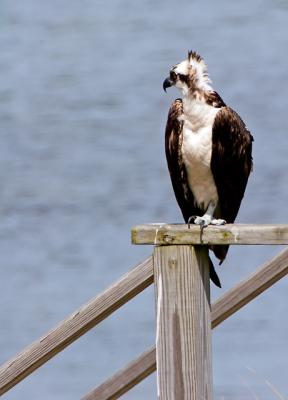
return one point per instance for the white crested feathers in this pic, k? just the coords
(195, 68)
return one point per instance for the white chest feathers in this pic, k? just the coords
(196, 153)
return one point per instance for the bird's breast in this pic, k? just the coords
(196, 153)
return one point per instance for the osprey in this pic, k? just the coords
(208, 151)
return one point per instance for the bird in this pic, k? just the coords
(208, 150)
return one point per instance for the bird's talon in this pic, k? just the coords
(191, 220)
(202, 226)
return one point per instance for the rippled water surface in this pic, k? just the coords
(82, 115)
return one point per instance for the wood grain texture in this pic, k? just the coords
(126, 378)
(221, 309)
(164, 234)
(31, 358)
(183, 338)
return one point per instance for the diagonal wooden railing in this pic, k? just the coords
(86, 317)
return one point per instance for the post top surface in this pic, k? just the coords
(168, 234)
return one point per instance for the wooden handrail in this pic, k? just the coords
(232, 301)
(232, 234)
(81, 321)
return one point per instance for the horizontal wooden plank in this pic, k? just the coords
(222, 308)
(165, 234)
(31, 358)
(126, 378)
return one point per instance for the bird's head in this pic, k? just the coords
(189, 76)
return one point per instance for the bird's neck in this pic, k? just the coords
(197, 113)
(195, 104)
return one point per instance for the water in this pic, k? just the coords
(82, 122)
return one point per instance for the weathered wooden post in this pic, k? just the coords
(183, 333)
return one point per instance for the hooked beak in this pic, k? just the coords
(167, 83)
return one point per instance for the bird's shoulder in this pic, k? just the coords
(176, 109)
(213, 99)
(228, 125)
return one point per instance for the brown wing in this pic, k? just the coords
(231, 161)
(173, 142)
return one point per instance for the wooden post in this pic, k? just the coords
(183, 337)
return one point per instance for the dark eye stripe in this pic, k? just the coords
(183, 78)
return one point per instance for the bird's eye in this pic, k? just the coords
(173, 75)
